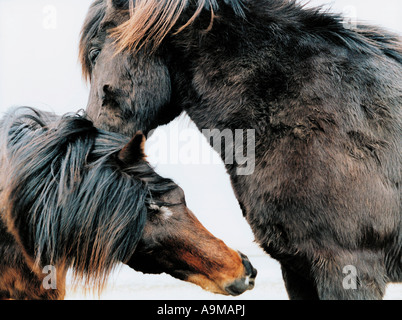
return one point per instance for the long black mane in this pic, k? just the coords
(324, 25)
(67, 200)
(315, 22)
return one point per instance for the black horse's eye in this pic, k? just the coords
(93, 55)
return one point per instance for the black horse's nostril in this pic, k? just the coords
(107, 89)
(108, 97)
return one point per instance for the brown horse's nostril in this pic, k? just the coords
(251, 272)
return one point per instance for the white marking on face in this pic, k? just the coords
(167, 213)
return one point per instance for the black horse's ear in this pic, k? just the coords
(134, 150)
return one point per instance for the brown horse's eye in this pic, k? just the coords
(93, 55)
(153, 208)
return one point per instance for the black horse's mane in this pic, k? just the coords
(315, 22)
(66, 198)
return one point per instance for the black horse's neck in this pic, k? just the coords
(260, 57)
(214, 70)
(268, 71)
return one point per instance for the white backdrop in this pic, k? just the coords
(39, 67)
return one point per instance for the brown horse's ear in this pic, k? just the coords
(134, 150)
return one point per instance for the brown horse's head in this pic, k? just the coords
(175, 242)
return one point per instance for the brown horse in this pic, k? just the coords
(77, 197)
(323, 99)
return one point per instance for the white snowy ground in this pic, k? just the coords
(126, 284)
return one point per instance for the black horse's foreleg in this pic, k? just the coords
(297, 286)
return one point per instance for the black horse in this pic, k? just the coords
(77, 197)
(324, 100)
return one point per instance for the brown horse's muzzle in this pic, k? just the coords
(244, 283)
(233, 280)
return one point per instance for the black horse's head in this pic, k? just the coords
(75, 196)
(126, 54)
(128, 92)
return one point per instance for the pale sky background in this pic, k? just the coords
(39, 67)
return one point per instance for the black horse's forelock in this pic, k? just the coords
(98, 9)
(67, 198)
(96, 14)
